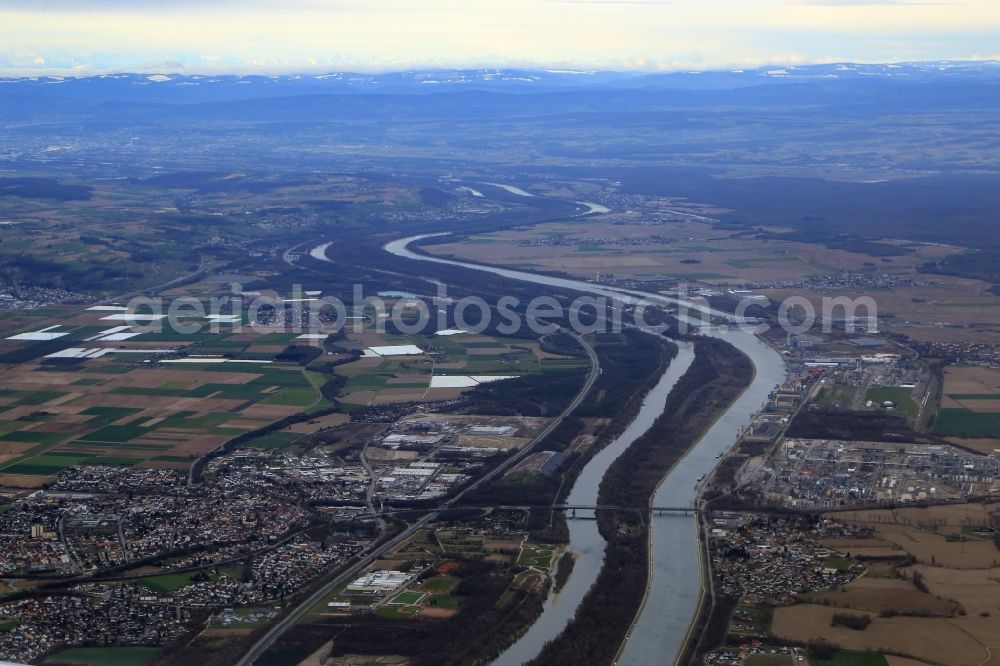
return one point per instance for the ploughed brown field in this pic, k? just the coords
(694, 251)
(953, 641)
(955, 622)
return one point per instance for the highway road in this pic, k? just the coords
(296, 613)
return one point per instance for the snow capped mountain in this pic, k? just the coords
(515, 80)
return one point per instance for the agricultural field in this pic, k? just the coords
(446, 367)
(135, 402)
(116, 235)
(876, 595)
(955, 536)
(931, 588)
(688, 249)
(970, 404)
(949, 641)
(942, 309)
(692, 250)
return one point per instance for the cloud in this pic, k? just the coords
(311, 35)
(154, 6)
(612, 2)
(861, 3)
(113, 5)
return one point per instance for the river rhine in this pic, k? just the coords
(675, 582)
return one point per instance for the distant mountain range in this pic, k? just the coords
(185, 88)
(444, 95)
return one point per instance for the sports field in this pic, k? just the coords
(439, 584)
(901, 399)
(407, 598)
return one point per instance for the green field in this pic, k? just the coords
(236, 573)
(446, 601)
(438, 584)
(116, 461)
(754, 262)
(536, 556)
(839, 563)
(108, 415)
(166, 583)
(211, 420)
(227, 391)
(961, 422)
(38, 397)
(408, 598)
(902, 398)
(34, 437)
(115, 433)
(141, 390)
(296, 397)
(104, 656)
(113, 425)
(180, 459)
(276, 440)
(45, 464)
(367, 381)
(103, 445)
(109, 369)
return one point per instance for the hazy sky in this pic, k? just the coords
(88, 36)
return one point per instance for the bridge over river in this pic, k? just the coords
(570, 508)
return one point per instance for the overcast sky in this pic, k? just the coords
(92, 36)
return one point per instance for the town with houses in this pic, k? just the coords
(140, 555)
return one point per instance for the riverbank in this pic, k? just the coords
(585, 541)
(673, 592)
(716, 378)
